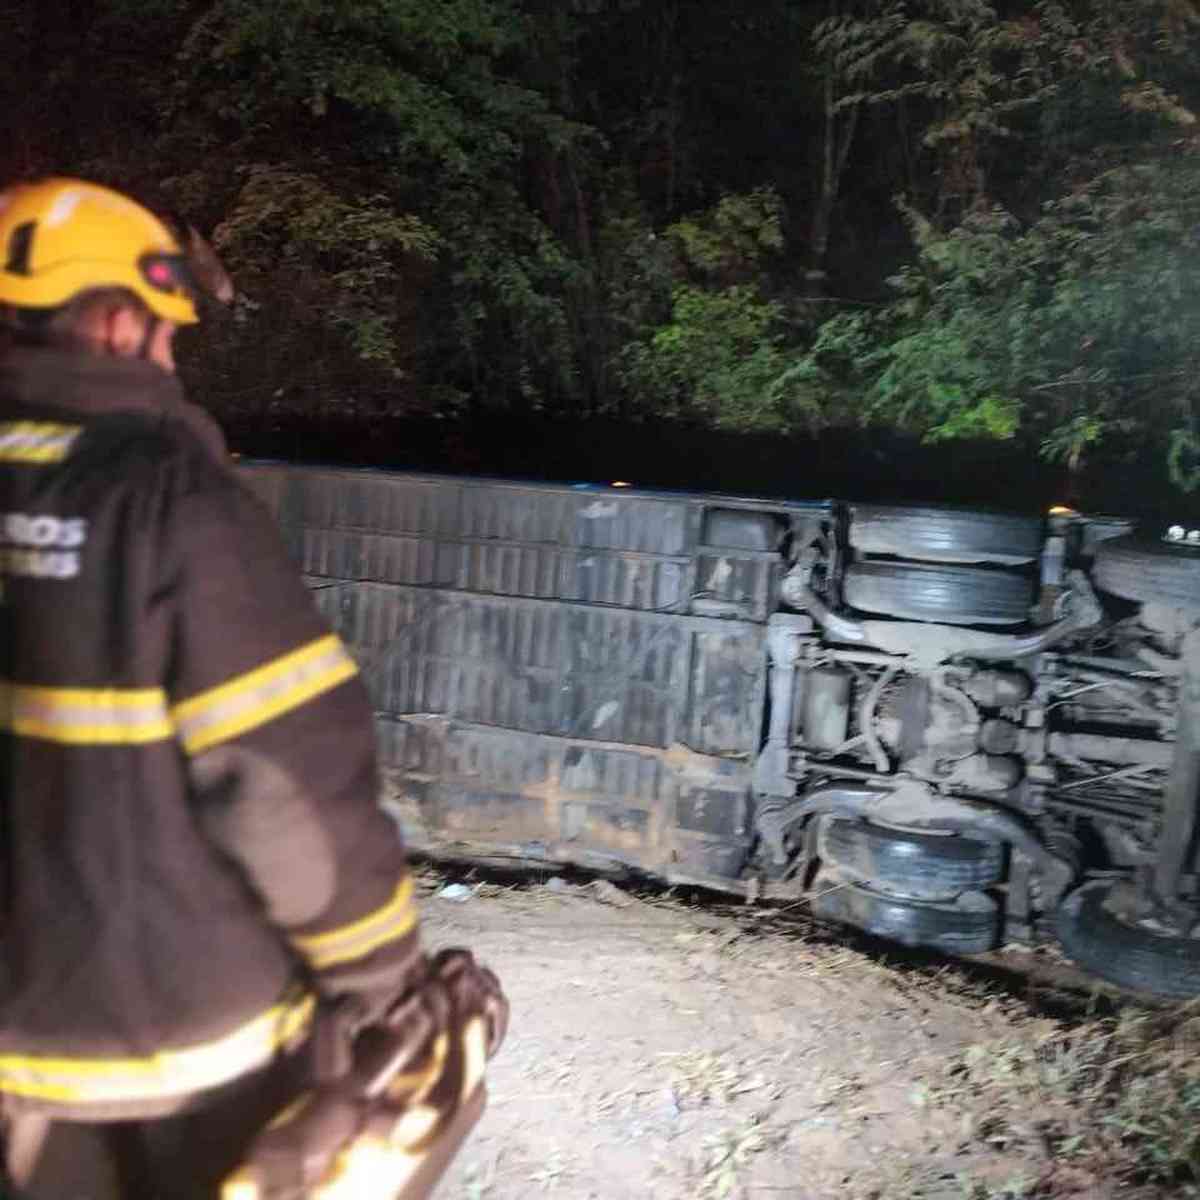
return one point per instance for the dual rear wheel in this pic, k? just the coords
(910, 886)
(923, 889)
(946, 566)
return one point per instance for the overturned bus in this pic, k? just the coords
(953, 729)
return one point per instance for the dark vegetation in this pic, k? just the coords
(688, 242)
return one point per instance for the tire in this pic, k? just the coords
(1149, 572)
(968, 925)
(945, 534)
(927, 592)
(918, 866)
(1127, 955)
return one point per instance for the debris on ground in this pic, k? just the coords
(608, 893)
(455, 891)
(709, 1052)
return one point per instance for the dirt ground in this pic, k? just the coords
(682, 1050)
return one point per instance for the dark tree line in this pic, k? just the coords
(943, 217)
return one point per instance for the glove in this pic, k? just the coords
(393, 1099)
(473, 989)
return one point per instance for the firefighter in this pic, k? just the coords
(193, 858)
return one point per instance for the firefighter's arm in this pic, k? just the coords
(279, 739)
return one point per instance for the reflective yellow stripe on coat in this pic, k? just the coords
(250, 700)
(36, 441)
(85, 716)
(388, 923)
(164, 1075)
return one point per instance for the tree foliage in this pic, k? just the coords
(721, 354)
(951, 217)
(1071, 322)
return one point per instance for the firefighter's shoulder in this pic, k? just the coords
(133, 452)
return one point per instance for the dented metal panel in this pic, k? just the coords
(561, 516)
(746, 584)
(503, 539)
(367, 501)
(560, 668)
(548, 682)
(553, 573)
(490, 791)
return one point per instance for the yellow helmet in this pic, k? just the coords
(60, 237)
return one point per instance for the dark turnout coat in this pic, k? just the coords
(190, 842)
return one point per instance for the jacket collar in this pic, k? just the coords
(92, 385)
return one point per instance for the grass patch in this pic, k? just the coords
(726, 1155)
(701, 1077)
(1116, 1099)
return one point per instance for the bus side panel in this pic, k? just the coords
(543, 690)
